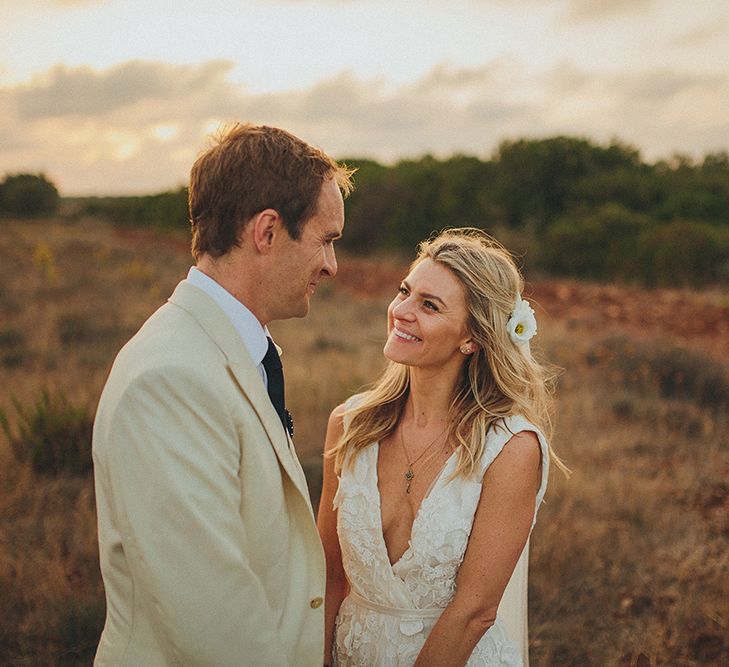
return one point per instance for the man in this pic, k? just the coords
(209, 550)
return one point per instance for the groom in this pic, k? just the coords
(209, 550)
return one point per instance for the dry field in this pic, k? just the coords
(630, 564)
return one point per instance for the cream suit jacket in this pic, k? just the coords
(209, 549)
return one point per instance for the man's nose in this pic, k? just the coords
(330, 262)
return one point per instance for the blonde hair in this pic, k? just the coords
(500, 378)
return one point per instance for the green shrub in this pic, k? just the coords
(53, 434)
(670, 372)
(684, 253)
(165, 210)
(28, 195)
(600, 245)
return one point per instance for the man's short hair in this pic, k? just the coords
(251, 168)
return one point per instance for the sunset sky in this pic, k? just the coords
(118, 96)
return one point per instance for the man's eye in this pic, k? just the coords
(430, 305)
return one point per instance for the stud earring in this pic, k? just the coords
(466, 349)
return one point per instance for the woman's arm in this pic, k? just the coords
(336, 587)
(500, 530)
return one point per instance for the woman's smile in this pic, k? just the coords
(405, 337)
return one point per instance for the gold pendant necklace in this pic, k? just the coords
(410, 474)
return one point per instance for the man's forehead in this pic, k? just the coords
(327, 223)
(331, 218)
(330, 198)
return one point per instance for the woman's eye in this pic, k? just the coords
(402, 290)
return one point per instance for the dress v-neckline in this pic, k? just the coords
(426, 497)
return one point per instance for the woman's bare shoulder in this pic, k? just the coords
(335, 427)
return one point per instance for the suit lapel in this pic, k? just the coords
(217, 326)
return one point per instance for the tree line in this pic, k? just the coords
(567, 205)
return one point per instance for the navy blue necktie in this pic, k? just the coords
(274, 375)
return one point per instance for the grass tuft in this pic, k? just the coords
(670, 372)
(14, 351)
(80, 622)
(52, 433)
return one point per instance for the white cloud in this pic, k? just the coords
(83, 91)
(596, 9)
(584, 9)
(77, 3)
(700, 35)
(137, 127)
(34, 5)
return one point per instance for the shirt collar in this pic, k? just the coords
(253, 333)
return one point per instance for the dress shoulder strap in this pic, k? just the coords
(350, 403)
(347, 475)
(497, 437)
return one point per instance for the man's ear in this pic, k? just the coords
(264, 227)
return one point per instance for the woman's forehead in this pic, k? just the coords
(435, 278)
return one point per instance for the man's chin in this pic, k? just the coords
(303, 309)
(293, 312)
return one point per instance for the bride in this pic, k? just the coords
(433, 477)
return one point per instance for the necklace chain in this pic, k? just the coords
(410, 474)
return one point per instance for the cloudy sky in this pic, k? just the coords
(118, 96)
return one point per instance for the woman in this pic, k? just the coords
(433, 477)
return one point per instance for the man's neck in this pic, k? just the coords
(242, 283)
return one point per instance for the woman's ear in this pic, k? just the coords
(467, 348)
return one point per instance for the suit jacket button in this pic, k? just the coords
(316, 603)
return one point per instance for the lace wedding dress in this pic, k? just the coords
(391, 609)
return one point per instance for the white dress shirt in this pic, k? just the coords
(254, 334)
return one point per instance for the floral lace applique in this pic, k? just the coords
(424, 577)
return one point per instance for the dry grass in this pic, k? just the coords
(630, 564)
(630, 555)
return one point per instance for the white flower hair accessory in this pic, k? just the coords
(522, 325)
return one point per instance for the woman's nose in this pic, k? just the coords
(403, 310)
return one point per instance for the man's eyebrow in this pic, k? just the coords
(426, 295)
